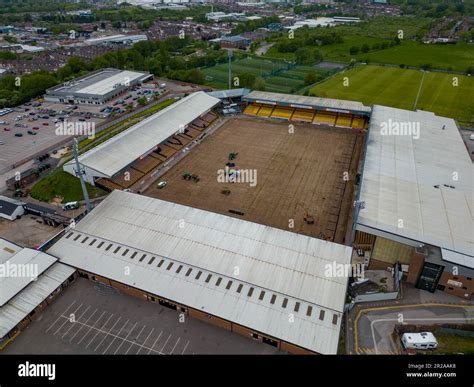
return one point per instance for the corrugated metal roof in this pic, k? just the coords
(107, 85)
(427, 183)
(27, 263)
(29, 298)
(309, 102)
(118, 152)
(129, 230)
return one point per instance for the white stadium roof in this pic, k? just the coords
(108, 84)
(427, 183)
(306, 102)
(166, 245)
(121, 150)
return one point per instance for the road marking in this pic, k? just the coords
(110, 330)
(153, 346)
(118, 335)
(60, 316)
(135, 340)
(421, 306)
(82, 326)
(75, 311)
(408, 319)
(126, 337)
(99, 330)
(166, 342)
(83, 337)
(145, 340)
(186, 346)
(179, 338)
(73, 322)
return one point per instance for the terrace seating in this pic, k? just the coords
(127, 178)
(106, 184)
(344, 120)
(282, 112)
(166, 151)
(303, 115)
(325, 118)
(265, 111)
(252, 109)
(209, 117)
(146, 164)
(359, 123)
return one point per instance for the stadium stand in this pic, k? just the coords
(304, 115)
(265, 111)
(252, 109)
(344, 120)
(325, 118)
(283, 112)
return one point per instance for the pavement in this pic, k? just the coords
(369, 326)
(92, 318)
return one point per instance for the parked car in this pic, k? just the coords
(71, 206)
(161, 184)
(6, 129)
(18, 134)
(45, 124)
(32, 132)
(35, 128)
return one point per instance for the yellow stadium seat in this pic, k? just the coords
(265, 111)
(303, 115)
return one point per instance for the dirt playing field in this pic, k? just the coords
(295, 172)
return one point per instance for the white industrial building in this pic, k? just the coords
(417, 190)
(115, 154)
(29, 280)
(116, 39)
(256, 280)
(11, 209)
(97, 87)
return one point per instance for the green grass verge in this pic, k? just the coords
(451, 344)
(60, 183)
(399, 87)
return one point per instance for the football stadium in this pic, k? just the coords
(232, 216)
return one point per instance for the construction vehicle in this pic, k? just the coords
(307, 217)
(196, 178)
(232, 155)
(186, 175)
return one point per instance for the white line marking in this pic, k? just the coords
(186, 346)
(54, 334)
(169, 337)
(82, 325)
(179, 338)
(74, 322)
(135, 340)
(83, 337)
(126, 337)
(153, 346)
(98, 330)
(145, 340)
(60, 316)
(118, 335)
(110, 330)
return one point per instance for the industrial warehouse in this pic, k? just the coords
(254, 280)
(97, 87)
(30, 281)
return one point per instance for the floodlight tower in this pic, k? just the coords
(79, 173)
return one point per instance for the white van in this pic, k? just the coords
(422, 340)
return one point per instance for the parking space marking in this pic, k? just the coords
(184, 349)
(153, 346)
(115, 336)
(166, 342)
(110, 330)
(145, 340)
(83, 337)
(126, 338)
(73, 322)
(67, 319)
(59, 317)
(177, 341)
(136, 339)
(83, 325)
(98, 331)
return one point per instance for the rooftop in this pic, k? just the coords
(121, 150)
(421, 188)
(307, 102)
(241, 271)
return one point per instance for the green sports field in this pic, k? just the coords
(399, 88)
